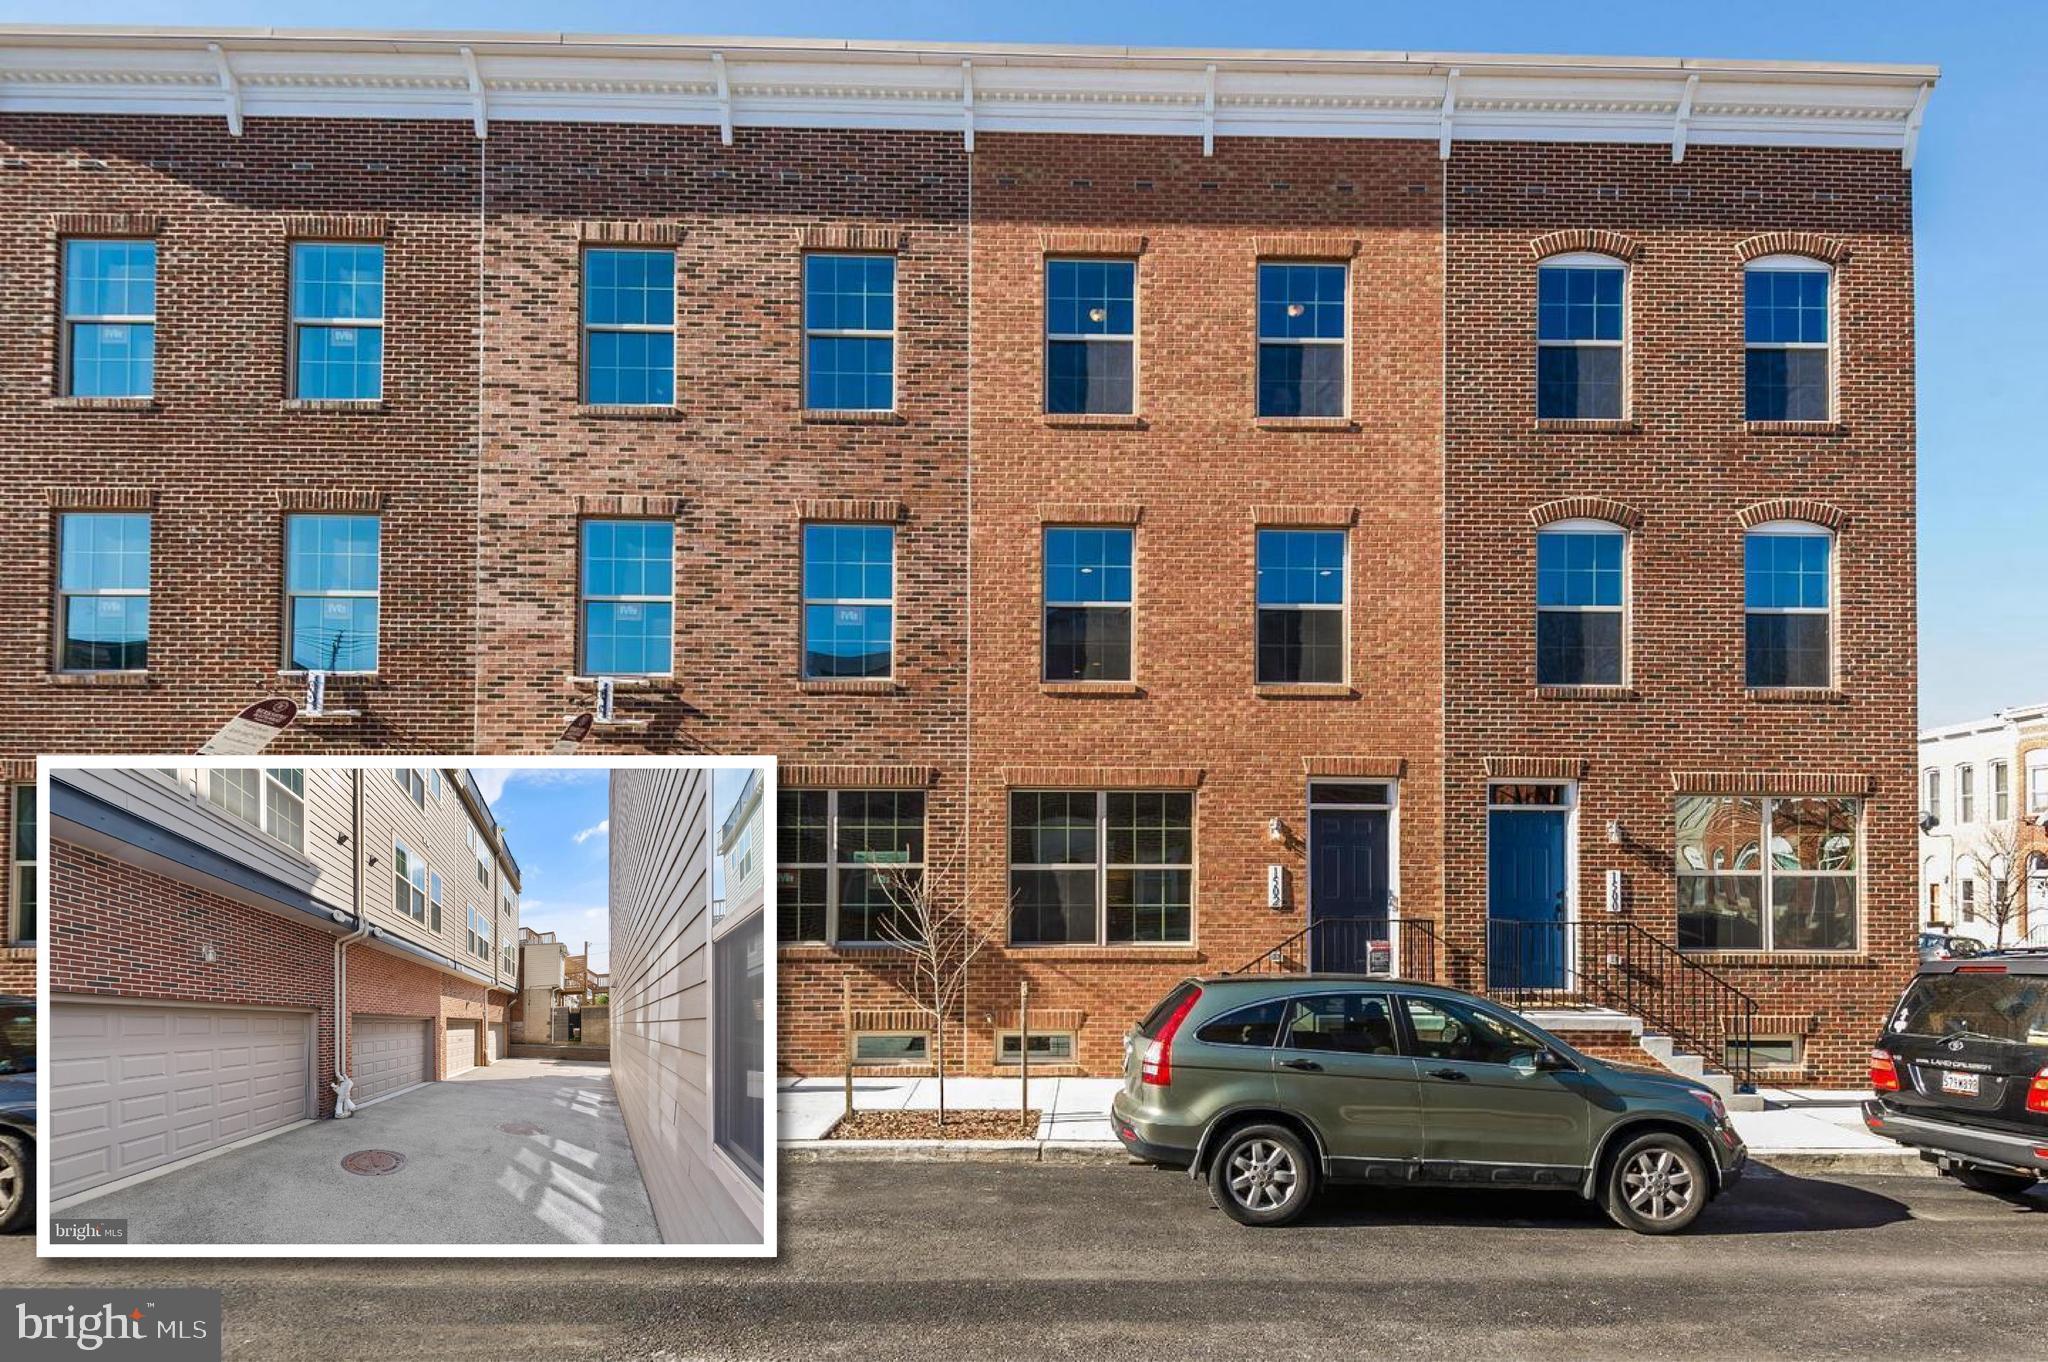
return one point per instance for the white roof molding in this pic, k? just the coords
(740, 82)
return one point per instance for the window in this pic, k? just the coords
(1966, 898)
(409, 883)
(740, 1044)
(1445, 1029)
(331, 586)
(1787, 601)
(434, 783)
(2037, 781)
(1966, 794)
(1766, 1052)
(849, 594)
(1930, 794)
(2001, 791)
(109, 319)
(479, 934)
(1088, 604)
(827, 845)
(1091, 328)
(103, 592)
(1801, 896)
(1301, 340)
(1300, 606)
(434, 901)
(1785, 335)
(1100, 867)
(850, 332)
(1047, 1047)
(482, 843)
(1256, 1026)
(629, 591)
(1351, 1023)
(891, 1047)
(337, 321)
(25, 897)
(1579, 592)
(271, 800)
(413, 781)
(1579, 322)
(629, 328)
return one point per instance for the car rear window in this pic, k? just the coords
(1156, 1018)
(2007, 1007)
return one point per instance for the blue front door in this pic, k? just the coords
(1527, 939)
(1347, 908)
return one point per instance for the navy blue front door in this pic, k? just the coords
(1348, 889)
(1527, 943)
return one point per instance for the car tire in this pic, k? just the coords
(1656, 1183)
(17, 1183)
(1996, 1184)
(1263, 1175)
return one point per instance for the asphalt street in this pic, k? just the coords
(1048, 1261)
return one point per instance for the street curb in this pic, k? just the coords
(954, 1151)
(1866, 1162)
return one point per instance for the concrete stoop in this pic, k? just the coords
(521, 1050)
(1575, 1024)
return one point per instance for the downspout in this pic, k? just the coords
(343, 1084)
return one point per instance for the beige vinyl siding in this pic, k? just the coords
(660, 1002)
(174, 807)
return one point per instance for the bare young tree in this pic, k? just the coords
(934, 929)
(2001, 847)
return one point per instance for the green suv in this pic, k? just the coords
(1270, 1086)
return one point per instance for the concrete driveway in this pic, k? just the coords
(465, 1180)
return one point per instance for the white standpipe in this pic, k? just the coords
(343, 1085)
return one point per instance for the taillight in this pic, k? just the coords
(1157, 1068)
(2037, 1093)
(1884, 1072)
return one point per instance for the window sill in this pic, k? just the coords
(625, 413)
(822, 416)
(103, 403)
(362, 406)
(1795, 427)
(1779, 959)
(845, 950)
(299, 675)
(329, 718)
(1586, 693)
(1092, 420)
(1093, 690)
(1309, 691)
(109, 680)
(1555, 425)
(1304, 423)
(1795, 695)
(18, 950)
(850, 685)
(587, 685)
(1149, 955)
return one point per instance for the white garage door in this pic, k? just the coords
(500, 1043)
(132, 1088)
(463, 1039)
(388, 1053)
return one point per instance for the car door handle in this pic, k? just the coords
(1305, 1065)
(1451, 1075)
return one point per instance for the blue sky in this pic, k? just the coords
(1982, 195)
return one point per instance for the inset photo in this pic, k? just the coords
(515, 1006)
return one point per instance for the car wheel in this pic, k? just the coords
(1263, 1175)
(1656, 1184)
(1997, 1184)
(16, 1170)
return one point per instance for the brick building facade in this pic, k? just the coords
(1424, 195)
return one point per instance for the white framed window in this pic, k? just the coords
(1047, 1047)
(479, 933)
(1302, 607)
(25, 900)
(2001, 791)
(1768, 873)
(1091, 336)
(629, 327)
(828, 846)
(740, 1082)
(1966, 898)
(408, 882)
(628, 587)
(849, 601)
(109, 321)
(434, 901)
(849, 332)
(1304, 339)
(103, 591)
(1581, 604)
(332, 592)
(1930, 791)
(337, 327)
(1581, 335)
(1088, 602)
(271, 799)
(481, 846)
(1788, 605)
(1767, 1052)
(892, 1047)
(1102, 867)
(2037, 781)
(1787, 330)
(1966, 794)
(412, 780)
(434, 782)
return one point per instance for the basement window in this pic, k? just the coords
(1047, 1047)
(1768, 1052)
(891, 1047)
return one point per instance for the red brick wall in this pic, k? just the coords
(384, 985)
(1688, 466)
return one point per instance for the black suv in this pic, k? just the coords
(1961, 1071)
(17, 1111)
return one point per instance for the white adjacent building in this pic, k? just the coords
(1983, 802)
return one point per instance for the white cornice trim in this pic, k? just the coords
(773, 83)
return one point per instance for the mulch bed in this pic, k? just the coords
(924, 1125)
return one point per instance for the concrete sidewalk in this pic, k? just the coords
(564, 1175)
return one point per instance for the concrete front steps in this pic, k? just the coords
(1606, 1034)
(522, 1050)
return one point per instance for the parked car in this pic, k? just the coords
(1961, 1070)
(1270, 1087)
(1948, 946)
(17, 1111)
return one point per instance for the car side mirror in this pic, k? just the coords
(1549, 1061)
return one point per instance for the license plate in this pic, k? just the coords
(1963, 1085)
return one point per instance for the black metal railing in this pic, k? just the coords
(1612, 963)
(1398, 947)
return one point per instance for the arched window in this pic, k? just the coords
(1788, 599)
(1581, 603)
(1581, 325)
(1788, 331)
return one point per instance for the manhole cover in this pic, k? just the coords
(520, 1128)
(374, 1163)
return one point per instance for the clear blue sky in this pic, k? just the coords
(1982, 192)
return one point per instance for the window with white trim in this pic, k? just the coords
(434, 901)
(1581, 593)
(849, 332)
(331, 588)
(1301, 607)
(1768, 873)
(628, 586)
(1788, 603)
(1102, 867)
(2037, 781)
(2001, 791)
(272, 800)
(412, 780)
(1930, 791)
(25, 899)
(892, 1047)
(1091, 336)
(103, 591)
(1047, 1047)
(1787, 323)
(408, 882)
(337, 330)
(1304, 333)
(829, 844)
(1580, 325)
(109, 323)
(1966, 794)
(479, 933)
(1088, 602)
(629, 328)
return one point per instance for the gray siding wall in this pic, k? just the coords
(660, 1004)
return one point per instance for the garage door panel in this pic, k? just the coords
(462, 1042)
(389, 1053)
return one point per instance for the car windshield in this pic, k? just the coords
(2003, 1007)
(17, 1040)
